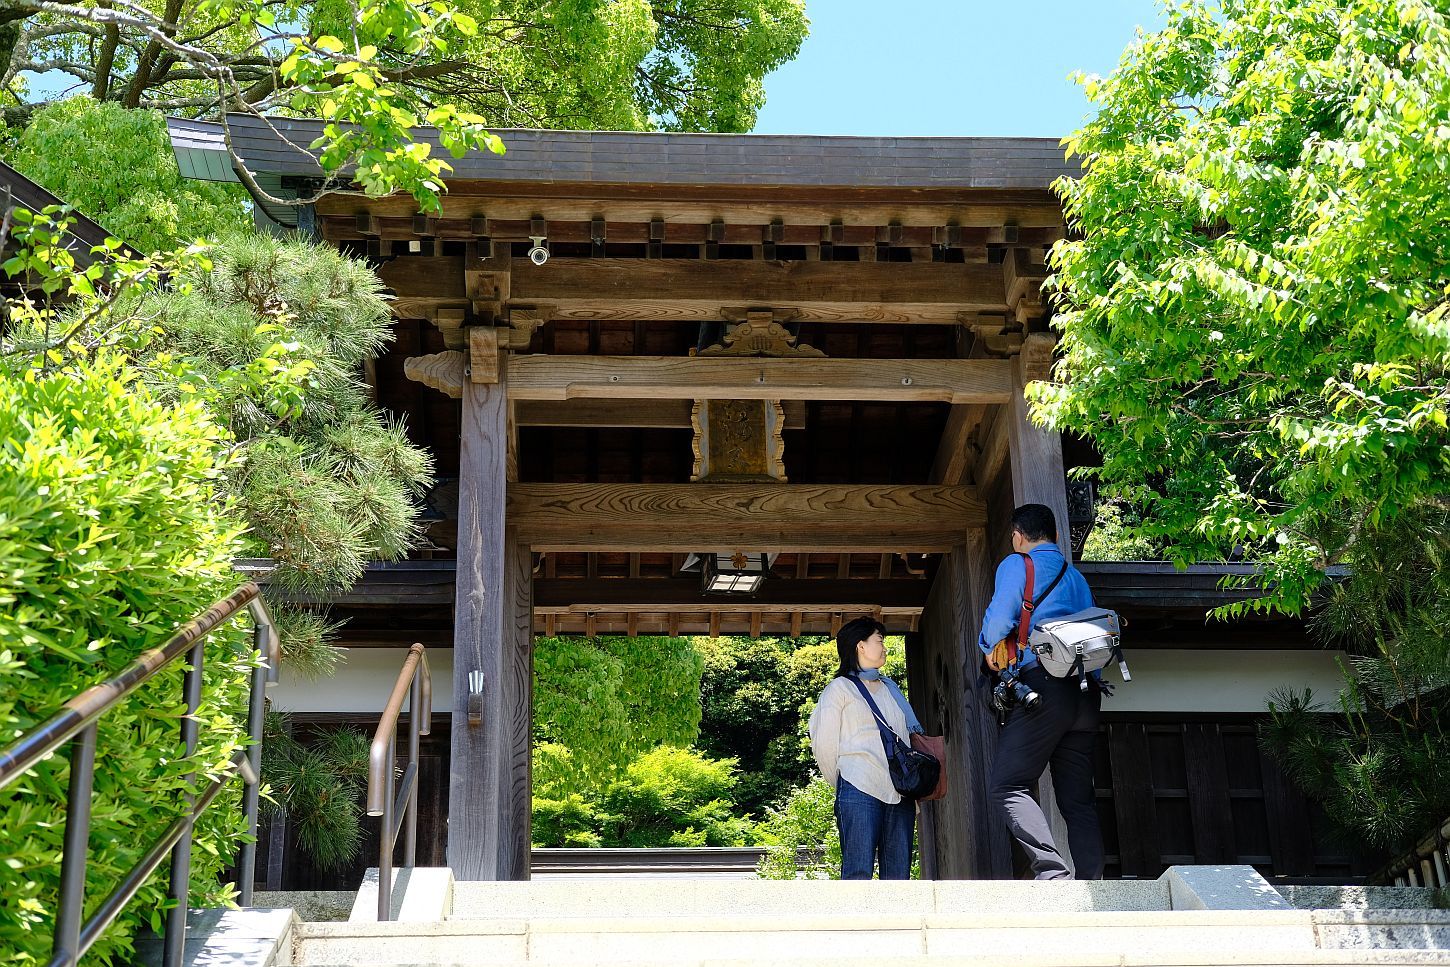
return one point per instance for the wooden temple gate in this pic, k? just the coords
(813, 348)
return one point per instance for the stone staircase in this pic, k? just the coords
(1190, 916)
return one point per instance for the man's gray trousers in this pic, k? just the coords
(1060, 733)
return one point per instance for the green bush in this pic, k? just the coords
(666, 797)
(608, 699)
(804, 822)
(111, 535)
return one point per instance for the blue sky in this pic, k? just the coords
(948, 67)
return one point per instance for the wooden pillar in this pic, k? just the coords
(1038, 477)
(1035, 455)
(919, 692)
(489, 792)
(970, 839)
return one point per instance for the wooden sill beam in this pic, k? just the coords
(766, 517)
(684, 378)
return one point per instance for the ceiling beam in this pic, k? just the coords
(764, 517)
(816, 291)
(643, 414)
(542, 377)
(780, 595)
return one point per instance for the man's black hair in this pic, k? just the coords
(852, 633)
(1035, 522)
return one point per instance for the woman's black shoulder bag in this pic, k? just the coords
(913, 773)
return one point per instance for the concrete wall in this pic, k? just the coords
(1163, 681)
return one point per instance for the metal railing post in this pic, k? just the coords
(247, 859)
(399, 812)
(66, 945)
(385, 854)
(174, 945)
(415, 711)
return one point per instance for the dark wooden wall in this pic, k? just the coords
(1199, 789)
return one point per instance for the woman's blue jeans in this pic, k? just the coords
(873, 832)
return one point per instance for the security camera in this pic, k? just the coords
(539, 254)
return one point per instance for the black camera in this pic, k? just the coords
(1010, 692)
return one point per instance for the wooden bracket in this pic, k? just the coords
(523, 322)
(1037, 351)
(483, 350)
(442, 371)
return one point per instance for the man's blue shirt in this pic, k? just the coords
(1071, 595)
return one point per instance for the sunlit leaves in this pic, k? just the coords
(1253, 305)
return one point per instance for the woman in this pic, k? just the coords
(874, 821)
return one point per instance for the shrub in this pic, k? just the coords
(665, 797)
(806, 822)
(111, 535)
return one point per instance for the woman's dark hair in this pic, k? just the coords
(1035, 522)
(852, 633)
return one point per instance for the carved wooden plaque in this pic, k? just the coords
(738, 441)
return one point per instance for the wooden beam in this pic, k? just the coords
(644, 414)
(734, 205)
(776, 595)
(694, 288)
(767, 517)
(956, 455)
(687, 378)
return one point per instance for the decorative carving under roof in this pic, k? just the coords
(738, 441)
(759, 334)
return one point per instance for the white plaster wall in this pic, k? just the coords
(362, 682)
(1220, 681)
(1163, 681)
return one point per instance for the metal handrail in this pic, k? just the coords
(399, 810)
(76, 722)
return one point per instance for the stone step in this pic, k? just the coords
(1312, 958)
(1363, 897)
(651, 899)
(1087, 937)
(1364, 929)
(1205, 937)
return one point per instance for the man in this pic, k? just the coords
(1061, 729)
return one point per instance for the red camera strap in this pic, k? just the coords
(1024, 620)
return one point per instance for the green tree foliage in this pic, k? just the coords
(113, 531)
(800, 836)
(1381, 766)
(599, 703)
(331, 483)
(1117, 533)
(1253, 303)
(665, 797)
(377, 68)
(117, 167)
(318, 787)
